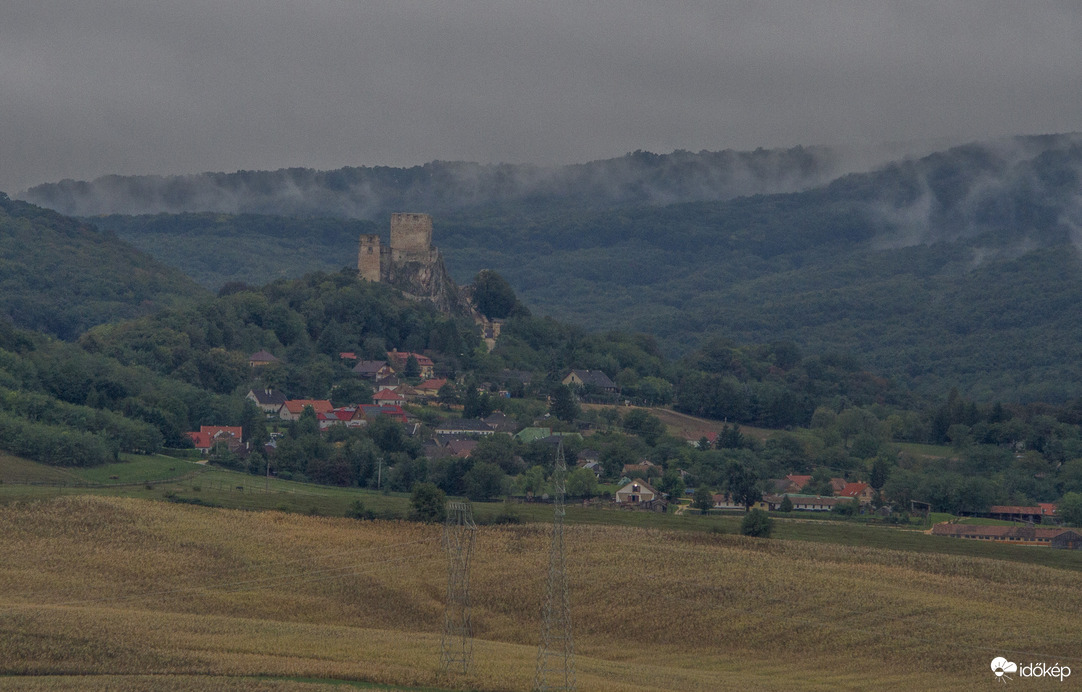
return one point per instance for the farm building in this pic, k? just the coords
(639, 494)
(1019, 535)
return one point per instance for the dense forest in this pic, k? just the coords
(443, 186)
(959, 269)
(62, 405)
(60, 275)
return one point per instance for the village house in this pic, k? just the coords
(430, 389)
(261, 359)
(328, 419)
(723, 501)
(639, 494)
(349, 416)
(370, 412)
(590, 378)
(373, 369)
(398, 360)
(292, 409)
(388, 382)
(859, 491)
(711, 441)
(268, 400)
(210, 436)
(388, 397)
(502, 423)
(792, 483)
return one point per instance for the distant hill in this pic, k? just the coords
(441, 187)
(957, 268)
(61, 276)
(251, 248)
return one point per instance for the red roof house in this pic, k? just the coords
(398, 360)
(861, 491)
(293, 408)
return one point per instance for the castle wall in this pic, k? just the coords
(411, 236)
(411, 264)
(368, 258)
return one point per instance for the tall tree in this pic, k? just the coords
(563, 404)
(492, 295)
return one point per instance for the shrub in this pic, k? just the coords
(757, 523)
(428, 503)
(357, 511)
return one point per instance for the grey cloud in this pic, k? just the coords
(90, 87)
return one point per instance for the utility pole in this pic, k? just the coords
(456, 645)
(379, 472)
(556, 654)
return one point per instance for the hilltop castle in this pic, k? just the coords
(411, 264)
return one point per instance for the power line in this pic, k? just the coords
(456, 645)
(556, 653)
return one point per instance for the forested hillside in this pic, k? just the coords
(444, 186)
(957, 269)
(63, 405)
(60, 275)
(254, 249)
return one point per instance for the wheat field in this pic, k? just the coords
(116, 593)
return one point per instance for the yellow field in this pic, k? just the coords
(112, 593)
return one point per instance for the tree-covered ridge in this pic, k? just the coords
(443, 186)
(957, 269)
(250, 248)
(62, 405)
(60, 275)
(305, 322)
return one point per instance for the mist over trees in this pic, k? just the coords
(444, 186)
(917, 269)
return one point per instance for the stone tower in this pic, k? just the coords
(411, 264)
(368, 258)
(411, 237)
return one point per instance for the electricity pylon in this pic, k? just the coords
(456, 645)
(556, 654)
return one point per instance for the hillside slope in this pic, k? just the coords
(60, 275)
(960, 268)
(445, 186)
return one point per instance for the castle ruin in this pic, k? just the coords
(411, 241)
(411, 264)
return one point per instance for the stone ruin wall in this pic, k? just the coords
(368, 258)
(411, 264)
(411, 237)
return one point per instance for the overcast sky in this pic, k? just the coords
(91, 87)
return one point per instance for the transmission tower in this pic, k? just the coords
(456, 646)
(556, 654)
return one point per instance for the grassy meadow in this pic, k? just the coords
(101, 592)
